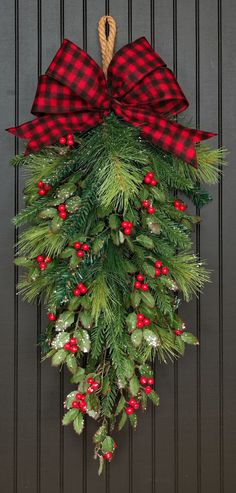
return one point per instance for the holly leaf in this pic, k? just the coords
(120, 405)
(179, 345)
(136, 337)
(129, 368)
(78, 424)
(134, 385)
(48, 213)
(100, 434)
(86, 319)
(148, 299)
(23, 262)
(56, 224)
(59, 357)
(101, 464)
(150, 337)
(133, 420)
(75, 302)
(154, 398)
(149, 269)
(114, 221)
(145, 241)
(64, 321)
(65, 191)
(73, 204)
(135, 298)
(189, 338)
(97, 245)
(83, 340)
(131, 321)
(146, 371)
(60, 340)
(71, 363)
(70, 416)
(68, 252)
(70, 398)
(78, 376)
(97, 228)
(107, 444)
(122, 421)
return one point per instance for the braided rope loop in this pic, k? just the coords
(106, 42)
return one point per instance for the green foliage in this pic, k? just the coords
(100, 181)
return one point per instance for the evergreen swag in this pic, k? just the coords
(109, 250)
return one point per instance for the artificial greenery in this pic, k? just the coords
(100, 182)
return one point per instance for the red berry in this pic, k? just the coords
(85, 247)
(42, 265)
(73, 341)
(136, 406)
(177, 204)
(62, 140)
(158, 264)
(95, 385)
(132, 401)
(48, 260)
(80, 285)
(147, 389)
(153, 183)
(67, 346)
(143, 380)
(150, 174)
(51, 317)
(90, 380)
(151, 210)
(61, 207)
(145, 204)
(178, 332)
(164, 271)
(76, 292)
(127, 231)
(40, 184)
(82, 397)
(108, 455)
(150, 381)
(82, 406)
(129, 224)
(42, 191)
(157, 272)
(70, 136)
(40, 258)
(147, 179)
(129, 410)
(124, 224)
(139, 324)
(137, 285)
(78, 396)
(75, 404)
(70, 142)
(47, 187)
(80, 253)
(73, 349)
(89, 390)
(83, 290)
(140, 316)
(140, 277)
(146, 321)
(77, 245)
(182, 207)
(145, 287)
(63, 214)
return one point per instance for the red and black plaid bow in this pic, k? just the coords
(75, 96)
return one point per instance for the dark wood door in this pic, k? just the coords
(189, 442)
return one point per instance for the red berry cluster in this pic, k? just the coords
(71, 345)
(81, 248)
(178, 332)
(62, 211)
(93, 385)
(52, 317)
(43, 261)
(43, 188)
(69, 140)
(80, 289)
(133, 406)
(127, 227)
(160, 269)
(139, 284)
(149, 179)
(80, 402)
(147, 205)
(142, 321)
(180, 206)
(144, 381)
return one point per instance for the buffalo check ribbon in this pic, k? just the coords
(74, 96)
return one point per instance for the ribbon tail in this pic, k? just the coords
(167, 134)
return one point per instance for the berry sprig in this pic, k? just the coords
(72, 345)
(160, 269)
(51, 316)
(149, 179)
(180, 206)
(139, 284)
(147, 384)
(146, 204)
(133, 405)
(93, 385)
(62, 211)
(43, 261)
(142, 321)
(80, 402)
(43, 188)
(80, 289)
(81, 248)
(127, 227)
(68, 140)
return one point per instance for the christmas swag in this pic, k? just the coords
(108, 247)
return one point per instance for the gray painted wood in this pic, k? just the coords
(188, 443)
